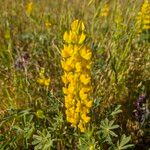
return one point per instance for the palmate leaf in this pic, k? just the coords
(42, 140)
(123, 143)
(116, 111)
(107, 128)
(108, 125)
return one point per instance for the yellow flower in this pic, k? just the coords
(81, 126)
(68, 103)
(78, 106)
(64, 78)
(85, 53)
(85, 118)
(146, 27)
(67, 65)
(146, 21)
(43, 81)
(70, 37)
(77, 26)
(69, 97)
(104, 11)
(76, 50)
(47, 82)
(67, 51)
(82, 38)
(47, 24)
(65, 90)
(40, 81)
(145, 6)
(89, 103)
(83, 94)
(85, 110)
(41, 73)
(73, 121)
(67, 77)
(29, 7)
(40, 114)
(66, 37)
(87, 64)
(76, 34)
(78, 67)
(70, 77)
(85, 79)
(71, 89)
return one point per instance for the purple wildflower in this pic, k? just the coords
(140, 108)
(22, 61)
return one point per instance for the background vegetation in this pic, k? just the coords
(32, 115)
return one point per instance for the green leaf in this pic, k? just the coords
(116, 111)
(123, 143)
(42, 140)
(107, 128)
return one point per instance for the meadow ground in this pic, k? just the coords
(74, 74)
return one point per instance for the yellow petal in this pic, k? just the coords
(86, 53)
(89, 104)
(75, 26)
(64, 79)
(40, 81)
(83, 94)
(65, 90)
(70, 76)
(146, 27)
(65, 52)
(29, 8)
(85, 79)
(82, 26)
(46, 82)
(66, 37)
(81, 127)
(78, 67)
(82, 38)
(71, 89)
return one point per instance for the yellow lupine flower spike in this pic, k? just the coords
(76, 64)
(143, 17)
